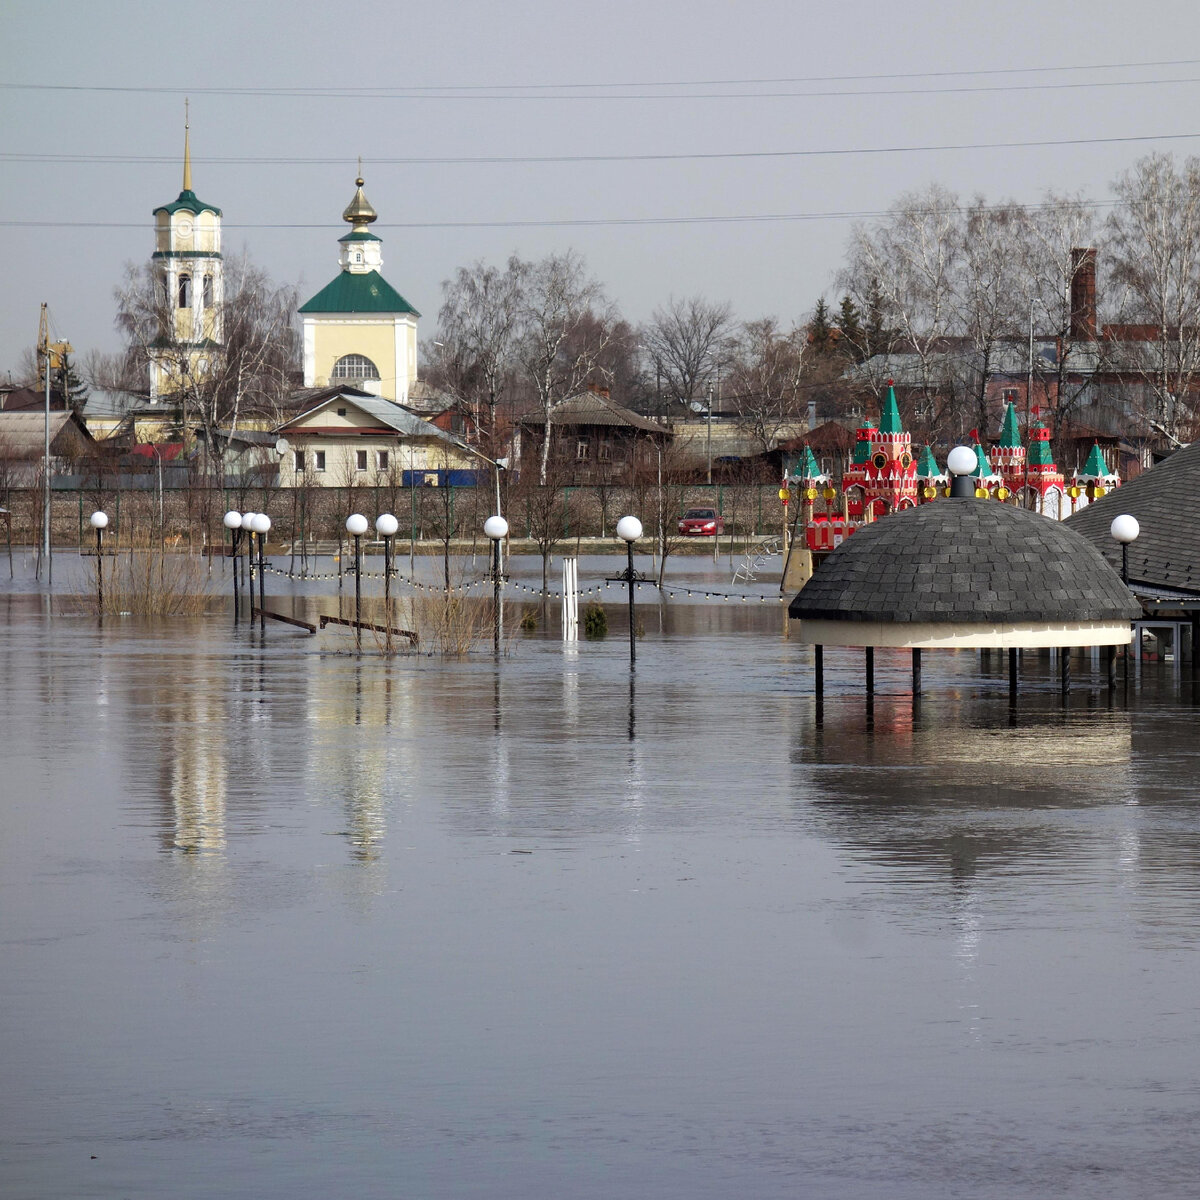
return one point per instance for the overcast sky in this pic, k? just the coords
(844, 107)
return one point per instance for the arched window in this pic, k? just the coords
(185, 291)
(207, 293)
(355, 366)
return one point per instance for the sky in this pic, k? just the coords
(697, 148)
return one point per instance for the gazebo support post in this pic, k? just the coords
(1012, 674)
(870, 672)
(916, 671)
(1064, 661)
(819, 664)
(1110, 661)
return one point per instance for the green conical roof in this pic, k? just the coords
(889, 417)
(1095, 467)
(809, 467)
(1010, 432)
(983, 468)
(927, 467)
(365, 293)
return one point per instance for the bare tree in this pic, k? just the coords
(683, 340)
(250, 372)
(559, 299)
(1154, 244)
(765, 379)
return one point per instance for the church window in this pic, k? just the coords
(360, 460)
(355, 366)
(207, 293)
(185, 291)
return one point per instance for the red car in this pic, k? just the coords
(701, 522)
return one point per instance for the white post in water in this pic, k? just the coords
(570, 616)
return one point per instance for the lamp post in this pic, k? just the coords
(629, 529)
(960, 462)
(262, 526)
(99, 522)
(248, 526)
(1124, 529)
(496, 527)
(386, 526)
(233, 522)
(356, 526)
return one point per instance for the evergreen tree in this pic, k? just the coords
(852, 342)
(819, 328)
(67, 387)
(875, 335)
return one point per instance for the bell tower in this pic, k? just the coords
(190, 285)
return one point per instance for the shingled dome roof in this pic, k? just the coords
(965, 572)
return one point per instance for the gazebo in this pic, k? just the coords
(965, 573)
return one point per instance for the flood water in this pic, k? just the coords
(282, 922)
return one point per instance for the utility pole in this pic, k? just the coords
(50, 356)
(708, 433)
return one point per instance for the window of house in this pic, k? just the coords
(207, 292)
(318, 460)
(605, 451)
(185, 291)
(298, 461)
(341, 412)
(355, 366)
(381, 460)
(581, 450)
(360, 460)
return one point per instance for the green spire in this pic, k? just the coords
(927, 467)
(889, 417)
(1010, 432)
(983, 468)
(1095, 467)
(862, 447)
(809, 468)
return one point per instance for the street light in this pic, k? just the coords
(99, 522)
(629, 529)
(233, 522)
(356, 526)
(496, 527)
(386, 526)
(262, 525)
(960, 462)
(1124, 529)
(248, 526)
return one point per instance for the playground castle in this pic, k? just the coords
(885, 475)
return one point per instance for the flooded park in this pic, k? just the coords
(285, 920)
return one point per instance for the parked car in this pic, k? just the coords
(701, 522)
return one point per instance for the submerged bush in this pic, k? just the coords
(595, 621)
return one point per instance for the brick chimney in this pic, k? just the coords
(1083, 294)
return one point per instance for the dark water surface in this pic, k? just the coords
(277, 922)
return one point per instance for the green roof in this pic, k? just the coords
(808, 467)
(1039, 452)
(983, 468)
(1095, 467)
(1010, 433)
(188, 201)
(889, 417)
(359, 293)
(862, 448)
(356, 235)
(927, 467)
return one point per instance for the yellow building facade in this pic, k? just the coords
(359, 331)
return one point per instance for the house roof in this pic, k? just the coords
(23, 434)
(389, 415)
(367, 292)
(591, 408)
(965, 561)
(1163, 499)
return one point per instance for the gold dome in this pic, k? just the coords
(359, 211)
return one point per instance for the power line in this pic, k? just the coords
(535, 159)
(579, 222)
(412, 89)
(470, 94)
